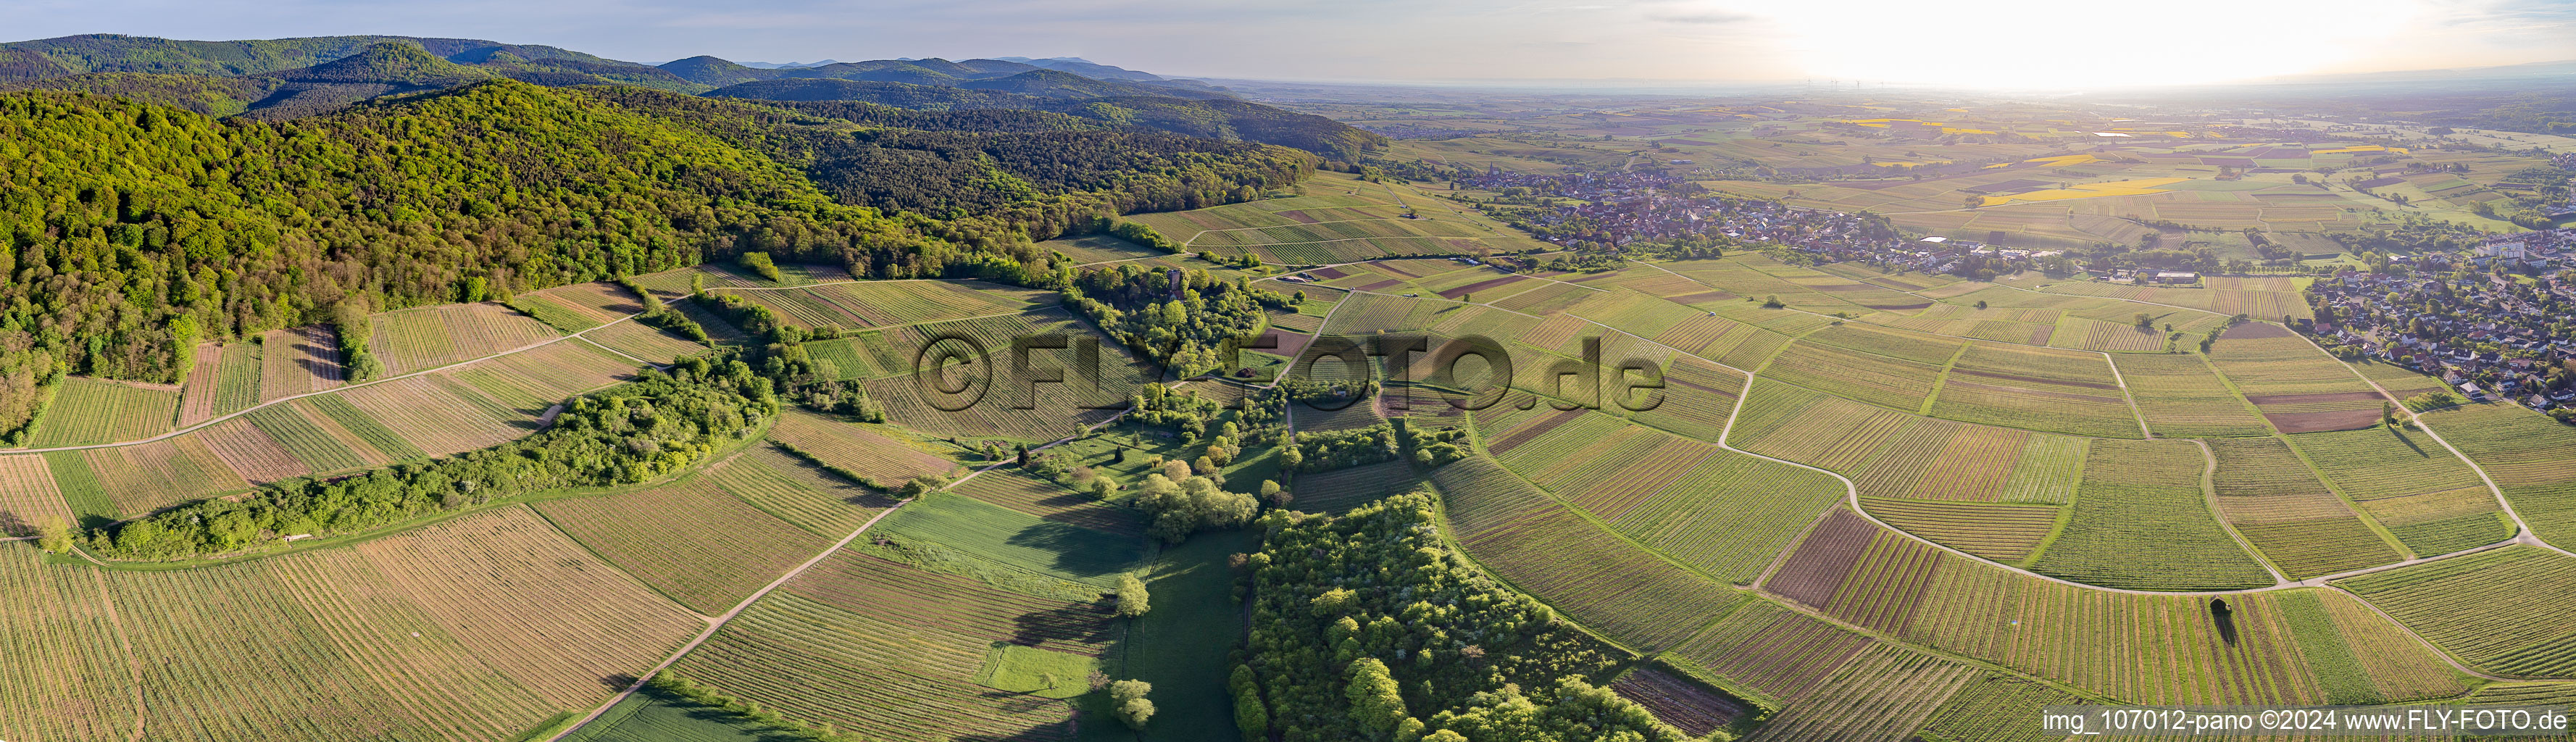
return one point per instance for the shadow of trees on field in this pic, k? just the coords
(1086, 623)
(1077, 549)
(2402, 437)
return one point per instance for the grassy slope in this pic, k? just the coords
(1180, 646)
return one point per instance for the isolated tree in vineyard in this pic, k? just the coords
(1132, 600)
(1127, 697)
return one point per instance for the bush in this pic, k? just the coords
(759, 263)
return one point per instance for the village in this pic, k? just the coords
(2489, 335)
(1626, 210)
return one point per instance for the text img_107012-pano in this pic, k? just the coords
(958, 372)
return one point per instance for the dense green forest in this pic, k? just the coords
(1367, 626)
(127, 218)
(290, 78)
(1211, 118)
(121, 53)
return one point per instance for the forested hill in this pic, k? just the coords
(138, 229)
(1213, 118)
(294, 78)
(70, 55)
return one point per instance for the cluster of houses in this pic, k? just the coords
(1623, 208)
(2534, 251)
(2489, 336)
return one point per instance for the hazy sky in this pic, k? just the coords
(1994, 43)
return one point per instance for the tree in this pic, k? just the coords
(54, 538)
(759, 264)
(1973, 201)
(2144, 321)
(1251, 716)
(1127, 697)
(1132, 600)
(1024, 453)
(1271, 491)
(1377, 703)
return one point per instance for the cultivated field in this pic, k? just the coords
(1593, 575)
(72, 678)
(2280, 505)
(415, 339)
(2141, 520)
(540, 609)
(226, 379)
(797, 491)
(87, 411)
(2297, 387)
(2181, 396)
(1016, 540)
(691, 540)
(1771, 655)
(2531, 458)
(1050, 501)
(29, 499)
(877, 459)
(298, 361)
(2507, 611)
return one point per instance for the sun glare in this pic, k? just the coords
(2075, 45)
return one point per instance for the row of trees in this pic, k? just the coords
(659, 424)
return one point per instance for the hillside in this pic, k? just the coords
(120, 53)
(1209, 118)
(166, 227)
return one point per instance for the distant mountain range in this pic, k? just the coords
(290, 78)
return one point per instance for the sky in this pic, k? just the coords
(2043, 45)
